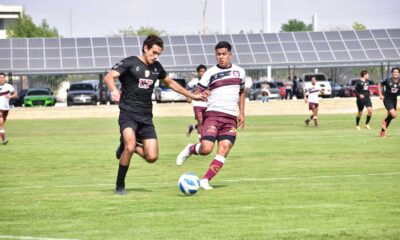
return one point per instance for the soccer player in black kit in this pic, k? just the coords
(363, 99)
(137, 76)
(391, 90)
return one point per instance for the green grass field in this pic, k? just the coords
(281, 181)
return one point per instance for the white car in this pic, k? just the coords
(322, 82)
(162, 93)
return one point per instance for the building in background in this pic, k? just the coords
(8, 15)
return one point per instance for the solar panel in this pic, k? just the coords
(255, 50)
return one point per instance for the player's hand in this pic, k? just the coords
(115, 96)
(240, 121)
(305, 100)
(381, 97)
(361, 96)
(201, 96)
(8, 96)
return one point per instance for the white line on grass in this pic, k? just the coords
(32, 238)
(164, 183)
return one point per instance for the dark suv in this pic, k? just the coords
(81, 94)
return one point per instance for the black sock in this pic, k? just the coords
(388, 120)
(368, 119)
(196, 126)
(122, 170)
(358, 121)
(311, 117)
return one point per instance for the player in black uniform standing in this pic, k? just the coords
(363, 99)
(391, 90)
(137, 76)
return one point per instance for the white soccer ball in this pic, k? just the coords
(189, 183)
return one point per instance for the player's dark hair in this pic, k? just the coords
(398, 69)
(201, 66)
(363, 72)
(152, 40)
(223, 44)
(1, 73)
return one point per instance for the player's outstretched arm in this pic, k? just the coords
(13, 96)
(178, 88)
(242, 100)
(109, 80)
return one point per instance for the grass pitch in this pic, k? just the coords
(281, 181)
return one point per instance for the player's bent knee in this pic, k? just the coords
(130, 148)
(151, 159)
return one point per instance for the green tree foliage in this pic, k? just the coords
(295, 25)
(359, 26)
(25, 28)
(142, 31)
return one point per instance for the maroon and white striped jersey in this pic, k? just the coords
(224, 85)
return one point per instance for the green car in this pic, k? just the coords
(39, 97)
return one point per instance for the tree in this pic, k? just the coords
(295, 25)
(359, 26)
(142, 31)
(25, 28)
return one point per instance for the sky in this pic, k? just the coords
(97, 18)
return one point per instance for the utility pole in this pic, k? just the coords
(223, 16)
(203, 11)
(269, 69)
(70, 22)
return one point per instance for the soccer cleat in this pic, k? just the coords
(184, 155)
(307, 122)
(5, 142)
(367, 127)
(358, 128)
(204, 184)
(120, 191)
(189, 130)
(384, 124)
(382, 134)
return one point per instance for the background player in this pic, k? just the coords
(311, 96)
(391, 90)
(199, 107)
(137, 76)
(7, 92)
(225, 81)
(363, 99)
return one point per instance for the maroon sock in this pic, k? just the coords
(193, 149)
(214, 168)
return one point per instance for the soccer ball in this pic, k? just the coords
(189, 183)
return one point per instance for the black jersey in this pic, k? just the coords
(137, 83)
(391, 88)
(361, 88)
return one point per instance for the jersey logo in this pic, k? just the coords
(146, 73)
(365, 87)
(395, 90)
(137, 69)
(145, 83)
(236, 73)
(117, 65)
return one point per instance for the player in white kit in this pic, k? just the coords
(7, 92)
(199, 107)
(225, 83)
(312, 97)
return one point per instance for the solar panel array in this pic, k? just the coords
(182, 53)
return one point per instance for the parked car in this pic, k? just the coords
(337, 89)
(100, 91)
(162, 93)
(19, 101)
(39, 97)
(322, 82)
(348, 88)
(255, 93)
(81, 94)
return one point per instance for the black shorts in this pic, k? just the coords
(141, 123)
(390, 104)
(361, 103)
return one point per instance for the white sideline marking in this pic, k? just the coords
(222, 180)
(32, 238)
(308, 177)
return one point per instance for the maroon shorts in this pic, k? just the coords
(199, 113)
(219, 126)
(312, 105)
(4, 114)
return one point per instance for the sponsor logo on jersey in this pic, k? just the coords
(145, 83)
